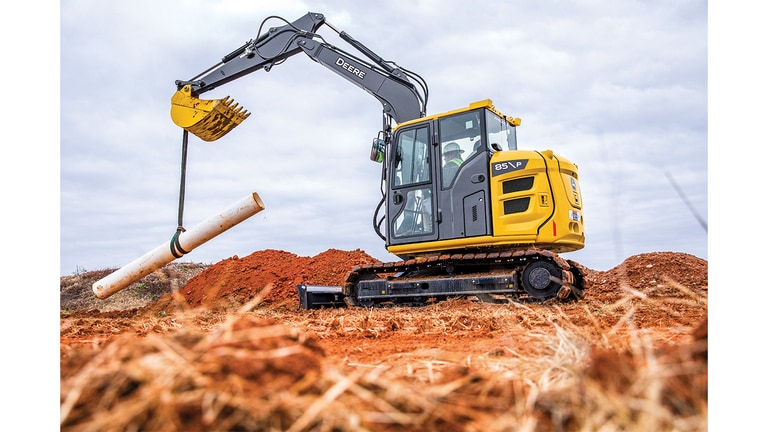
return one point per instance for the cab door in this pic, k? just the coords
(411, 198)
(463, 205)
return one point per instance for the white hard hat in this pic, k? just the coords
(452, 146)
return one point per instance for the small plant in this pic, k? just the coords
(79, 270)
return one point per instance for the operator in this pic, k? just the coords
(452, 158)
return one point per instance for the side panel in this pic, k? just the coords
(462, 205)
(536, 200)
(475, 215)
(522, 194)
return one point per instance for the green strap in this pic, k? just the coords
(176, 248)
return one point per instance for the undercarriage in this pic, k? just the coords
(523, 276)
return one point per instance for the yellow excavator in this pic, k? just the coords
(467, 212)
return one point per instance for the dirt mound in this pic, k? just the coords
(237, 280)
(650, 271)
(234, 281)
(655, 267)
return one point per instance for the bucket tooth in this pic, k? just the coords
(209, 120)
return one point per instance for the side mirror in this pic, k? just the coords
(377, 150)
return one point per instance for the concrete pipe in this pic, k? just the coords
(185, 242)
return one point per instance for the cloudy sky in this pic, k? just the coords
(620, 88)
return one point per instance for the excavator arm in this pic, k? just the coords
(401, 99)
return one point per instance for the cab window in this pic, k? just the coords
(412, 158)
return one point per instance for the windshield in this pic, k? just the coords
(501, 135)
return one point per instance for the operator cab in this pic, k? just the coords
(438, 175)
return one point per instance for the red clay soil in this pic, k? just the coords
(235, 281)
(661, 295)
(240, 279)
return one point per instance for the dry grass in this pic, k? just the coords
(544, 373)
(76, 293)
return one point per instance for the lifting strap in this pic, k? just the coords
(176, 248)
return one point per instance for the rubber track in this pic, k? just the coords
(573, 273)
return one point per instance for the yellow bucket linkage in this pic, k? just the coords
(209, 120)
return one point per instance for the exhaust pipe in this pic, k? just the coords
(184, 243)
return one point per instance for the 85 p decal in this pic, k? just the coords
(508, 166)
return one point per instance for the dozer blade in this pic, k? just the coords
(209, 120)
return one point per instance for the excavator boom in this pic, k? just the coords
(210, 120)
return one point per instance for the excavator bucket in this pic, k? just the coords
(209, 120)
